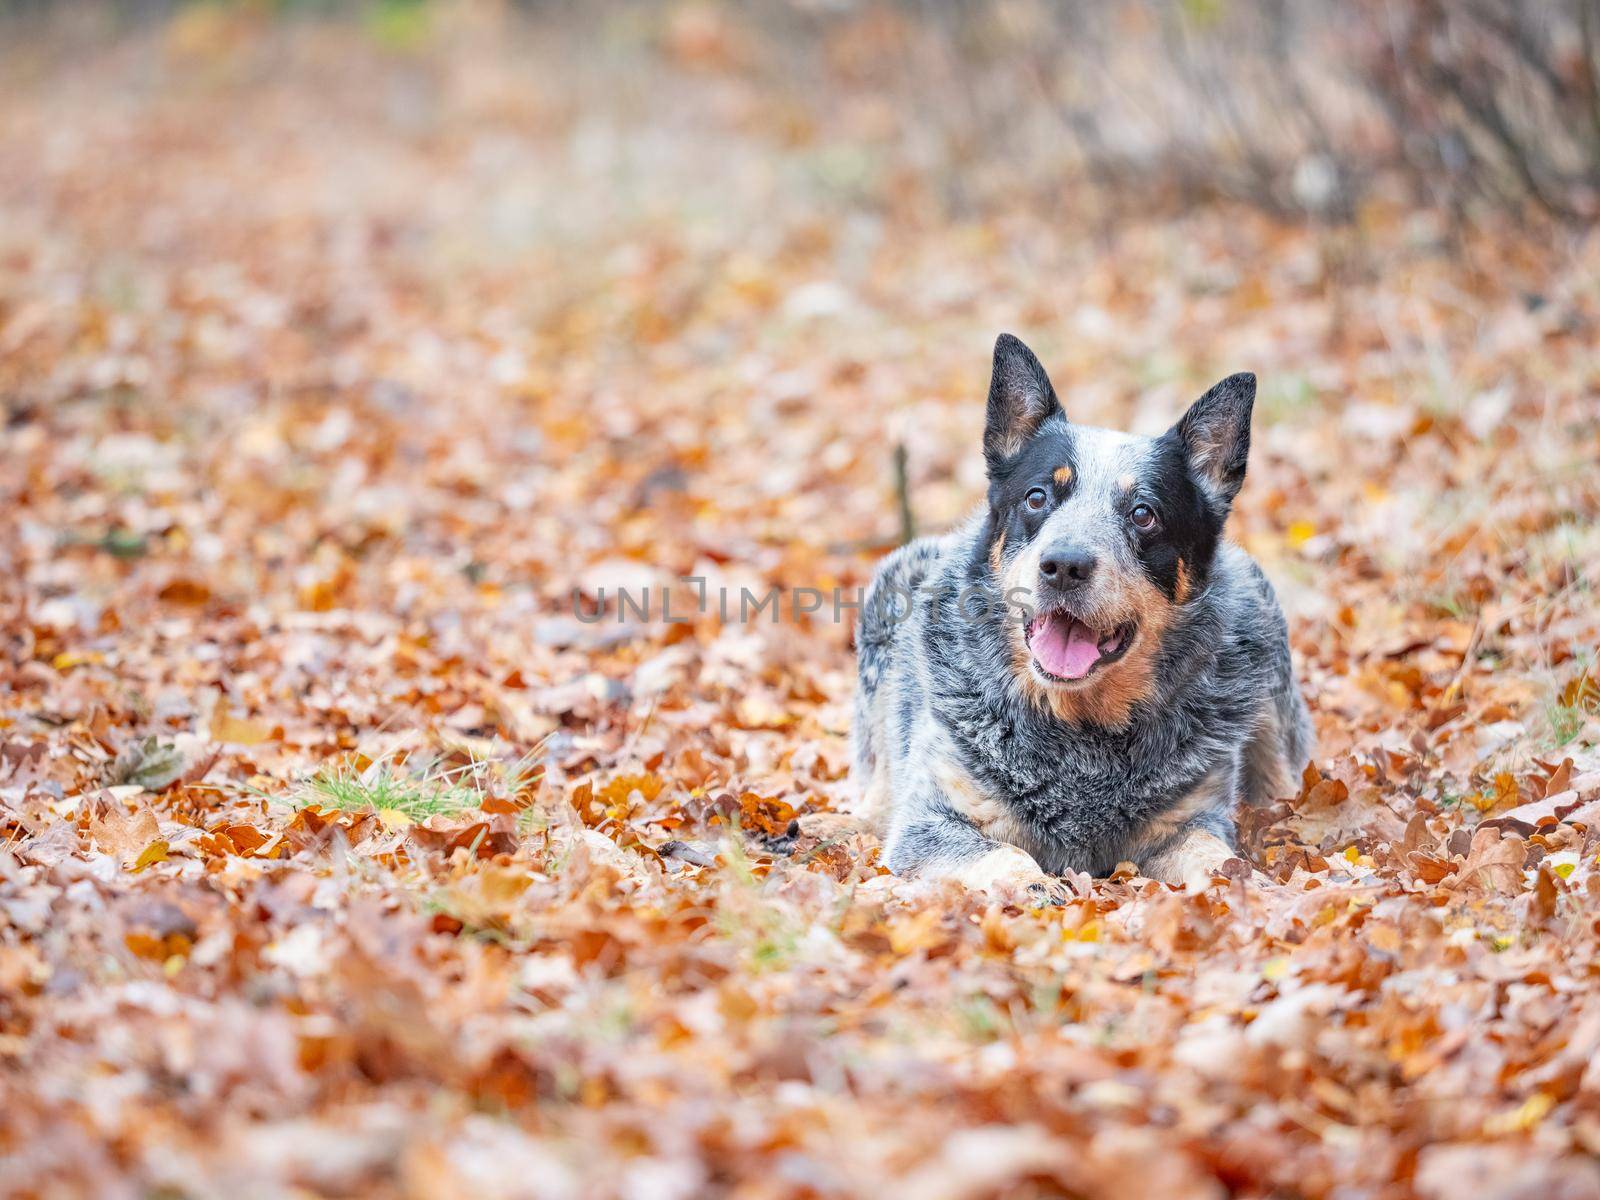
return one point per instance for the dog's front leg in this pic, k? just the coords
(1191, 857)
(1190, 842)
(931, 840)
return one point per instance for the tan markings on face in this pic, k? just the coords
(1126, 482)
(1183, 582)
(1063, 476)
(967, 798)
(997, 552)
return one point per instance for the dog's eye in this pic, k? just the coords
(1143, 516)
(1035, 500)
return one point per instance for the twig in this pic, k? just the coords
(633, 739)
(1588, 21)
(902, 491)
(1458, 680)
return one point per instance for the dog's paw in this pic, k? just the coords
(1202, 871)
(1198, 860)
(1050, 892)
(1010, 875)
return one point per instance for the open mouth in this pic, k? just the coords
(1065, 648)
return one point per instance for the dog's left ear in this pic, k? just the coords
(1215, 433)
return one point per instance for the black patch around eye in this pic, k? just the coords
(1034, 466)
(1184, 540)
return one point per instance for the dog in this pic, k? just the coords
(1084, 672)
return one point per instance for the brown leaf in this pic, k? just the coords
(1541, 814)
(1493, 862)
(122, 835)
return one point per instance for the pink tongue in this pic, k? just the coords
(1065, 647)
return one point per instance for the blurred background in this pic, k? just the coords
(1296, 107)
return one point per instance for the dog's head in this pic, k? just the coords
(1108, 535)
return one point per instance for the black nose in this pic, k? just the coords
(1066, 567)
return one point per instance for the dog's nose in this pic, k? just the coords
(1066, 567)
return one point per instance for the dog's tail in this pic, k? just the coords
(887, 606)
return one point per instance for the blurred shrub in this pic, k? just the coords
(1492, 96)
(1299, 106)
(1296, 105)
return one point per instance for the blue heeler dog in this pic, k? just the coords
(1085, 672)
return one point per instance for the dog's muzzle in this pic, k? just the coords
(1065, 647)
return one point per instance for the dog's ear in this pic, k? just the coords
(1215, 433)
(1020, 398)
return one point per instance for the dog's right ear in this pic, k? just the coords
(1020, 399)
